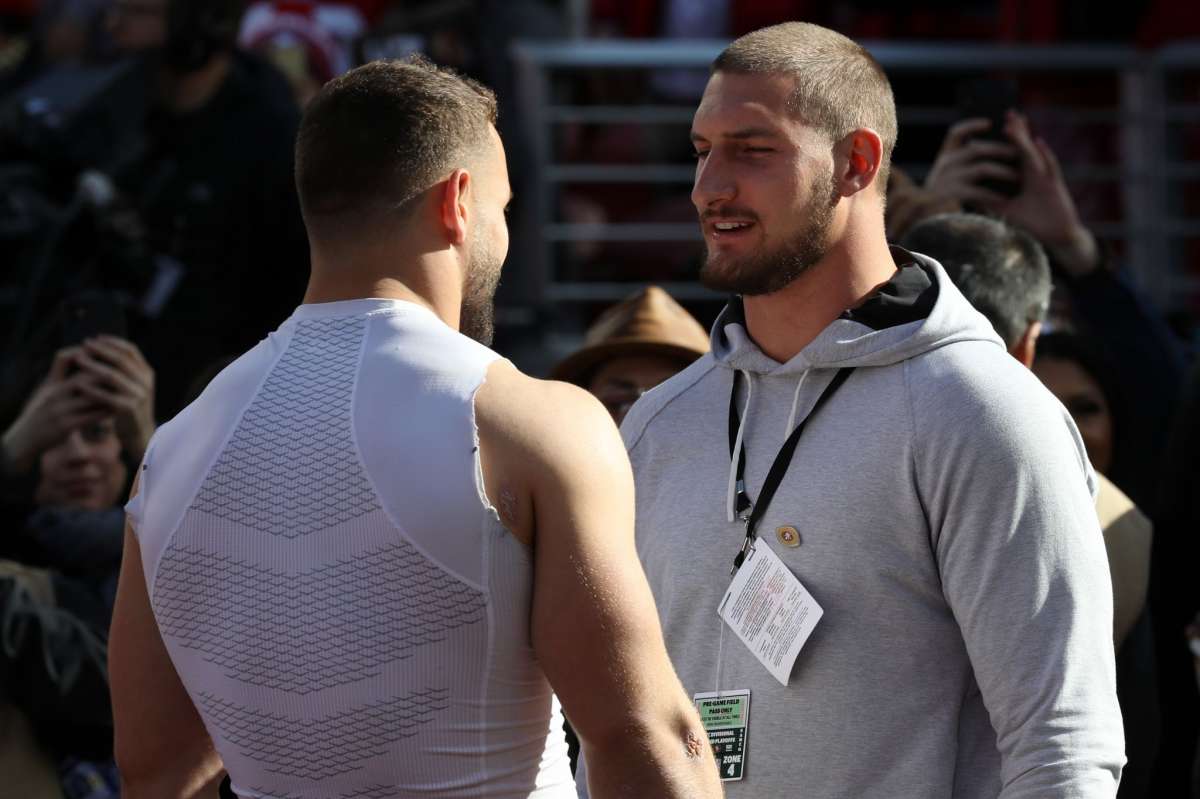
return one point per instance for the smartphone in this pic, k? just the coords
(92, 313)
(992, 98)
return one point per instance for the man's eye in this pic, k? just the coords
(759, 150)
(700, 154)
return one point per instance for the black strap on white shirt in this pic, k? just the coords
(783, 460)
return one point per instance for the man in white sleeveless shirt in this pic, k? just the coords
(360, 562)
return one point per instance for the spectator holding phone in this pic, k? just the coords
(1020, 180)
(974, 170)
(66, 462)
(104, 378)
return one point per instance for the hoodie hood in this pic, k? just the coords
(918, 310)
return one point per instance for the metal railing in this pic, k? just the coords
(1149, 179)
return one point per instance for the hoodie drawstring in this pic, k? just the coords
(731, 496)
(791, 423)
(732, 489)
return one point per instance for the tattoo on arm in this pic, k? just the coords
(508, 506)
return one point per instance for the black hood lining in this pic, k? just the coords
(908, 297)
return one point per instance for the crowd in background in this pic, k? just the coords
(151, 233)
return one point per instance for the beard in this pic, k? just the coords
(768, 271)
(477, 312)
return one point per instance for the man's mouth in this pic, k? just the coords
(728, 228)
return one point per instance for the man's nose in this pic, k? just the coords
(715, 183)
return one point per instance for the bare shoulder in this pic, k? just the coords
(545, 419)
(541, 439)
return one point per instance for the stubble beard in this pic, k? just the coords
(766, 272)
(477, 312)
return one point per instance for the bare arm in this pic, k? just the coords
(1128, 544)
(594, 626)
(1128, 535)
(162, 748)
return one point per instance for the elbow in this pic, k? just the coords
(634, 731)
(671, 747)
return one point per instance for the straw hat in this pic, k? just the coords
(646, 323)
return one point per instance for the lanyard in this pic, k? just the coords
(779, 466)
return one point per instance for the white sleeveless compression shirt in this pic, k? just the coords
(339, 598)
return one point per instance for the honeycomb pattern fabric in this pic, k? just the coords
(366, 792)
(371, 792)
(342, 607)
(322, 747)
(356, 614)
(290, 468)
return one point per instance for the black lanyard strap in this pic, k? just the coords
(779, 467)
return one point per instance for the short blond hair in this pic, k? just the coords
(839, 85)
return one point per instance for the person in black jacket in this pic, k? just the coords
(212, 188)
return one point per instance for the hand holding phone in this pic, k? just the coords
(992, 100)
(969, 167)
(1043, 207)
(978, 164)
(102, 377)
(122, 382)
(55, 408)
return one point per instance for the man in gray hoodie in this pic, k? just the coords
(932, 514)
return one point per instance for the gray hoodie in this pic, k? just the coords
(947, 530)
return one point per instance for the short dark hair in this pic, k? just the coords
(377, 137)
(1077, 348)
(1000, 269)
(839, 85)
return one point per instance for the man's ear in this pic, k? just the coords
(861, 155)
(1026, 348)
(454, 211)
